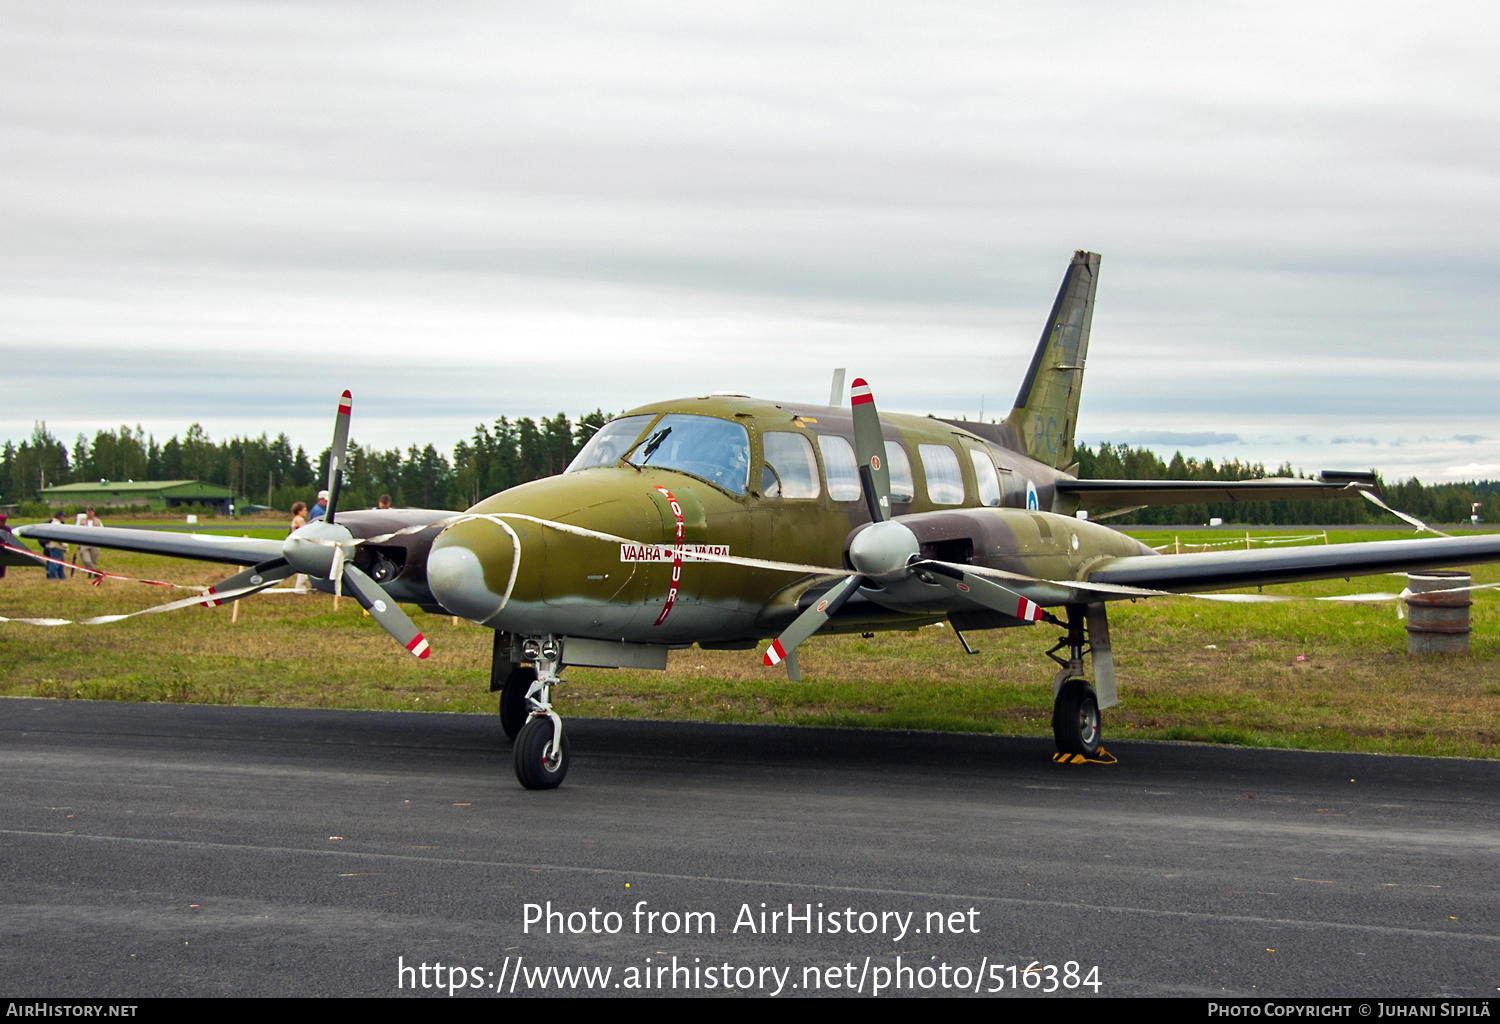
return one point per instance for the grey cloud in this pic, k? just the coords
(676, 198)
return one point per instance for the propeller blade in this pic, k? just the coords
(260, 576)
(373, 598)
(981, 591)
(338, 453)
(784, 647)
(869, 449)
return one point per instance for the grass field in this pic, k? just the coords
(1304, 674)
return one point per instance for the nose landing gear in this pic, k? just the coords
(541, 747)
(526, 713)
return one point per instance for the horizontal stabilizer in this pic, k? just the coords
(1114, 493)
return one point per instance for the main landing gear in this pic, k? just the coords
(526, 714)
(1076, 723)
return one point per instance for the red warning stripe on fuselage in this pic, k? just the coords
(676, 508)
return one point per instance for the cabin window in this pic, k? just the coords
(711, 449)
(989, 480)
(839, 465)
(945, 481)
(902, 488)
(791, 469)
(610, 442)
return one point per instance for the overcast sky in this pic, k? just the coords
(228, 212)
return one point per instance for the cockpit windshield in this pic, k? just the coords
(715, 450)
(609, 443)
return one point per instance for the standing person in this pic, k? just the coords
(88, 558)
(320, 507)
(299, 520)
(57, 551)
(5, 538)
(384, 502)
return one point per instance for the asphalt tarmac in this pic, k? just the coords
(161, 850)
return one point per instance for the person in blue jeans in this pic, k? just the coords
(56, 549)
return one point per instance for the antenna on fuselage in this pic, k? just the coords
(836, 393)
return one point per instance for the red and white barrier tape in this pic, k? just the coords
(99, 620)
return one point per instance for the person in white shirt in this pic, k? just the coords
(88, 558)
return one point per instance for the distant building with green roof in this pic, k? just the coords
(158, 494)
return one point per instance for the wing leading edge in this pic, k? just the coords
(203, 547)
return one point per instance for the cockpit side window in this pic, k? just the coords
(712, 449)
(610, 442)
(791, 469)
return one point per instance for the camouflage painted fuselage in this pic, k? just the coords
(566, 584)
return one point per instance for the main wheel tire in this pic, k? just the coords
(513, 709)
(532, 767)
(1075, 719)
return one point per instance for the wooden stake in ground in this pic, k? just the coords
(234, 616)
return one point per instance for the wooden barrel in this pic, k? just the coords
(1437, 623)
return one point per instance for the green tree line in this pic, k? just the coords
(275, 472)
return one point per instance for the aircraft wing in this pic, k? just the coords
(17, 558)
(1099, 493)
(203, 547)
(1220, 570)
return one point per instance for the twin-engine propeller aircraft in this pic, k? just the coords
(725, 519)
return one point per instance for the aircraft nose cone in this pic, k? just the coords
(456, 578)
(883, 548)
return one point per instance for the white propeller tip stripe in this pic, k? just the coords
(774, 654)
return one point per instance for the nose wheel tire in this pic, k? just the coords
(1075, 719)
(513, 707)
(534, 769)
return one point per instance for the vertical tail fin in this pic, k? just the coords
(1046, 411)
